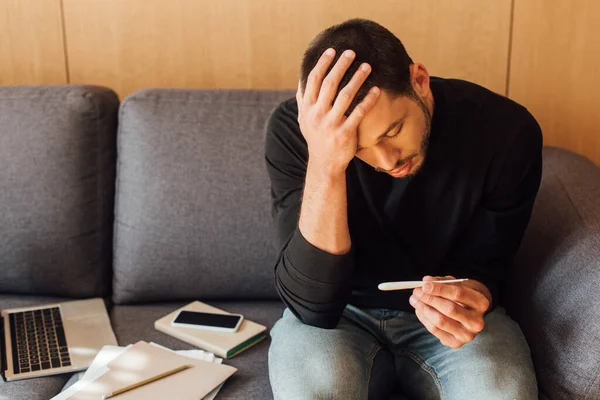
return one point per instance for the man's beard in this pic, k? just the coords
(427, 131)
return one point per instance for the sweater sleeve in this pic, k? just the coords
(487, 246)
(314, 284)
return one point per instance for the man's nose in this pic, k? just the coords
(384, 158)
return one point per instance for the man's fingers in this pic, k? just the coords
(347, 94)
(470, 319)
(458, 293)
(446, 338)
(331, 83)
(316, 76)
(362, 109)
(448, 325)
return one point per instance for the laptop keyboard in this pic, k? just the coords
(38, 340)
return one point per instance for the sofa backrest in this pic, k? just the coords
(192, 216)
(553, 291)
(57, 155)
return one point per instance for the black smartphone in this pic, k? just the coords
(208, 321)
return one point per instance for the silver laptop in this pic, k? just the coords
(53, 338)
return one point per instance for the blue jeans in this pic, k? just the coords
(373, 352)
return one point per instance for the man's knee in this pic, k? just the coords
(306, 362)
(494, 381)
(498, 364)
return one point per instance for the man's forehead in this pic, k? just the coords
(386, 111)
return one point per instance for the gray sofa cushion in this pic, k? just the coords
(251, 381)
(30, 389)
(57, 155)
(553, 291)
(192, 206)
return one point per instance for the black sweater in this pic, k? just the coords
(463, 214)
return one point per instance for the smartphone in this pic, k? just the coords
(208, 321)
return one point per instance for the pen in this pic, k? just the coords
(146, 381)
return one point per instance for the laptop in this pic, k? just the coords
(53, 338)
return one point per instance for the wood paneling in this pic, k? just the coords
(131, 44)
(31, 43)
(555, 68)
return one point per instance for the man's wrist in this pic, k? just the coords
(325, 171)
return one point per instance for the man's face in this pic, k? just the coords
(401, 151)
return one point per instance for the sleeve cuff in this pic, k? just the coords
(318, 264)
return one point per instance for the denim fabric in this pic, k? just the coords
(375, 352)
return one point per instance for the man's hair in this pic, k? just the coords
(372, 44)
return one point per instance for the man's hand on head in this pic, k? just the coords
(453, 312)
(330, 135)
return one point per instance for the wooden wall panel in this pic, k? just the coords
(555, 70)
(131, 44)
(31, 43)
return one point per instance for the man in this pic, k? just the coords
(380, 173)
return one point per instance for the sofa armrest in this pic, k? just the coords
(552, 290)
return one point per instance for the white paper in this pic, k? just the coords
(108, 353)
(201, 355)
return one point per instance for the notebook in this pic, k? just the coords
(223, 344)
(143, 360)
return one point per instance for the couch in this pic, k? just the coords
(163, 199)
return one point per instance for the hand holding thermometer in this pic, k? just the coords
(403, 285)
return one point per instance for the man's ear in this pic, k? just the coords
(420, 80)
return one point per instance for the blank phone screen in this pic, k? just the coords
(207, 319)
